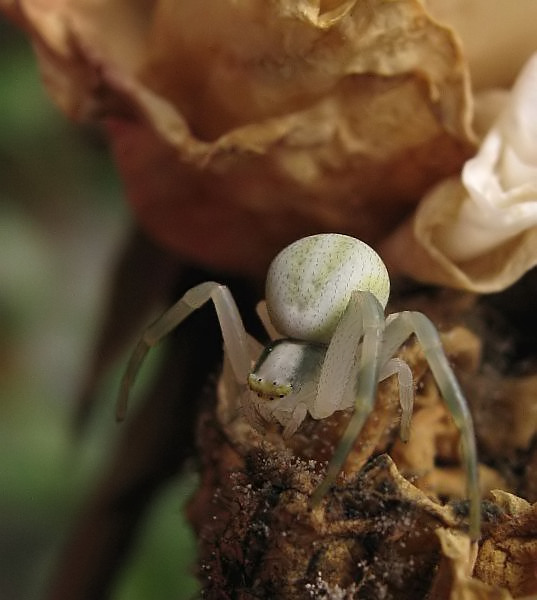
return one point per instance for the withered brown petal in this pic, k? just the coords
(241, 132)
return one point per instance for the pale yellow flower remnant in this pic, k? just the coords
(501, 180)
(479, 231)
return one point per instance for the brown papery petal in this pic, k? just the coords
(241, 126)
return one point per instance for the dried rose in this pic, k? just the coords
(240, 126)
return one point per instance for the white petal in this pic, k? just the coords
(501, 179)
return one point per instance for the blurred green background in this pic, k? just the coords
(62, 224)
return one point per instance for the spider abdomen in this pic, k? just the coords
(310, 282)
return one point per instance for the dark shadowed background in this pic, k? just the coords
(62, 224)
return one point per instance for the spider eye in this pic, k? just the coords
(282, 396)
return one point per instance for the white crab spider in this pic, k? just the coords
(325, 300)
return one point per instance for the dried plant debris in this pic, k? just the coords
(508, 558)
(393, 527)
(506, 565)
(261, 540)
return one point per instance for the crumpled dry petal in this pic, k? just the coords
(237, 134)
(452, 580)
(508, 558)
(480, 232)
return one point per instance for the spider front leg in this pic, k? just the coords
(400, 326)
(235, 337)
(343, 372)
